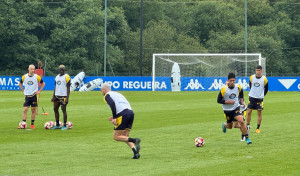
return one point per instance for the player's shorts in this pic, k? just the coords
(124, 121)
(61, 100)
(255, 103)
(230, 115)
(30, 100)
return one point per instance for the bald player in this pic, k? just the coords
(122, 118)
(61, 96)
(30, 81)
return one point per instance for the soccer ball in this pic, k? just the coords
(22, 125)
(199, 142)
(69, 124)
(60, 124)
(49, 125)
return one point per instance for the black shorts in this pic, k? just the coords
(124, 122)
(30, 100)
(61, 100)
(255, 103)
(230, 115)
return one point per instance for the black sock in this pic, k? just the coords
(32, 122)
(65, 123)
(57, 123)
(245, 135)
(248, 124)
(258, 125)
(134, 150)
(24, 120)
(131, 140)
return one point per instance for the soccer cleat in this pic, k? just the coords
(136, 156)
(248, 141)
(137, 144)
(64, 128)
(32, 127)
(243, 139)
(257, 131)
(223, 127)
(55, 127)
(19, 127)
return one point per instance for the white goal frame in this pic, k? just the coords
(200, 54)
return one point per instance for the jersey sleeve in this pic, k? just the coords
(68, 78)
(39, 79)
(22, 79)
(111, 104)
(265, 80)
(221, 96)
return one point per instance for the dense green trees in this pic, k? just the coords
(72, 33)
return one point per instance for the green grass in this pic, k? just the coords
(167, 123)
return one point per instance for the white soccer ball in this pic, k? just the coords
(69, 124)
(199, 142)
(49, 125)
(22, 125)
(60, 124)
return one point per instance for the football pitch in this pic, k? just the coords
(167, 123)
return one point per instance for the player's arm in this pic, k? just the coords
(241, 95)
(250, 81)
(21, 83)
(266, 86)
(53, 97)
(42, 84)
(112, 105)
(221, 99)
(68, 80)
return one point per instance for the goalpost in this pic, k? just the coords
(177, 65)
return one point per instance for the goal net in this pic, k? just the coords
(175, 67)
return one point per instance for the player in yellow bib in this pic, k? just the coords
(258, 90)
(229, 97)
(61, 96)
(30, 81)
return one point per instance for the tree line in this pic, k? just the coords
(72, 33)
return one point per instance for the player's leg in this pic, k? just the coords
(249, 112)
(64, 110)
(241, 121)
(25, 110)
(34, 106)
(56, 105)
(259, 119)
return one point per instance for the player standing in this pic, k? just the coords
(229, 98)
(122, 118)
(30, 82)
(61, 96)
(258, 90)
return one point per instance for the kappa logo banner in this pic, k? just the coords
(164, 83)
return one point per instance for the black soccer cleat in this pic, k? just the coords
(136, 156)
(137, 144)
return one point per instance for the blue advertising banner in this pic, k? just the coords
(164, 83)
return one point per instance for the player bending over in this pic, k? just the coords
(122, 118)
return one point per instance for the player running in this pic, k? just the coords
(122, 118)
(61, 96)
(229, 98)
(30, 82)
(258, 90)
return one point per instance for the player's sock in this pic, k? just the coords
(248, 124)
(65, 123)
(32, 122)
(24, 120)
(245, 136)
(134, 150)
(57, 123)
(131, 140)
(258, 125)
